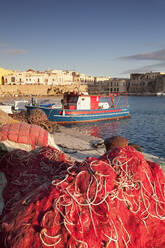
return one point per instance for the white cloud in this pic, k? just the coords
(147, 68)
(156, 55)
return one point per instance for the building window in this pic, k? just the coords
(12, 79)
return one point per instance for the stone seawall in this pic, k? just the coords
(36, 90)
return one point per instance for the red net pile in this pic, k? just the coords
(24, 133)
(115, 201)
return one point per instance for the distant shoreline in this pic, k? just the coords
(28, 97)
(44, 91)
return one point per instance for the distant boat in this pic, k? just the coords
(78, 108)
(20, 104)
(17, 105)
(6, 108)
(160, 94)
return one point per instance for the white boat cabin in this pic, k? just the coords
(77, 101)
(17, 105)
(6, 108)
(20, 104)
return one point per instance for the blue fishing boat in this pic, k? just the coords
(80, 107)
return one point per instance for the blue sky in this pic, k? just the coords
(101, 38)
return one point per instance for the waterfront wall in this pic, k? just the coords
(37, 90)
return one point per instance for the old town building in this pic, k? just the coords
(118, 85)
(110, 85)
(3, 73)
(66, 77)
(143, 83)
(54, 77)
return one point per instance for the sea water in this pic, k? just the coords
(146, 127)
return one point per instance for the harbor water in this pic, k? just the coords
(146, 127)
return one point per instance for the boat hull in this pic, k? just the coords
(78, 116)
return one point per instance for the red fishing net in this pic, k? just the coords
(24, 133)
(115, 201)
